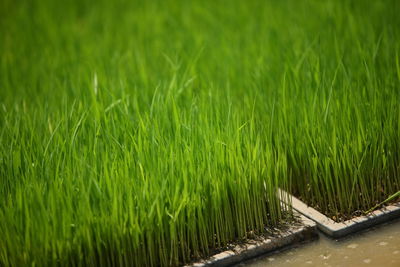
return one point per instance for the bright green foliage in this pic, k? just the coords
(154, 132)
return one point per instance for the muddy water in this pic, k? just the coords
(379, 246)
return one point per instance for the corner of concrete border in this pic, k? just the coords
(338, 230)
(304, 230)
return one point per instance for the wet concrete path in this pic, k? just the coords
(378, 246)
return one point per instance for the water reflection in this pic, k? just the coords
(379, 246)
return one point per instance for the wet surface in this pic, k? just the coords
(379, 246)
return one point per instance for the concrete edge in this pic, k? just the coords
(337, 230)
(304, 230)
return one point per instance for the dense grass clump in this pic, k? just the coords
(115, 185)
(155, 132)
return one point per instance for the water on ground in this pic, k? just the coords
(379, 246)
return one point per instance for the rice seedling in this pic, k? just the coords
(153, 133)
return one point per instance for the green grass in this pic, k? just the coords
(155, 132)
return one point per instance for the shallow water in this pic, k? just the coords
(379, 246)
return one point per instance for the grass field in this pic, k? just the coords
(155, 132)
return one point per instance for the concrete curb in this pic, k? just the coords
(305, 230)
(337, 230)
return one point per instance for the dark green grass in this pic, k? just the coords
(154, 132)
